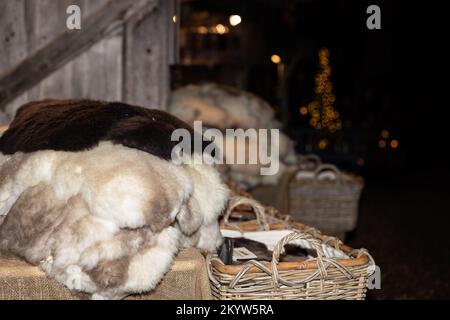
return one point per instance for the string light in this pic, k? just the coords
(275, 58)
(394, 143)
(235, 20)
(385, 134)
(202, 30)
(323, 143)
(217, 29)
(322, 111)
(303, 110)
(221, 29)
(381, 144)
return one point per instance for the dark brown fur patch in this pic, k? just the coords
(75, 125)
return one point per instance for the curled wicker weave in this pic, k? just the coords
(318, 278)
(325, 204)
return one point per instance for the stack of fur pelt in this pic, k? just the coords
(223, 107)
(90, 195)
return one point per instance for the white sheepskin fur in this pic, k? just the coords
(107, 221)
(224, 107)
(221, 107)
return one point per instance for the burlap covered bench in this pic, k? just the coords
(188, 279)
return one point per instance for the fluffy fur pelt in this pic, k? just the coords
(108, 220)
(88, 192)
(224, 107)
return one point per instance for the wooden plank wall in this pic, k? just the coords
(129, 64)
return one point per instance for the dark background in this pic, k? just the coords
(394, 78)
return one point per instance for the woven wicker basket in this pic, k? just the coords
(328, 204)
(322, 277)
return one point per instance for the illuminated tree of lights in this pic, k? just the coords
(321, 109)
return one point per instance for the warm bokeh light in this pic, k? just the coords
(202, 30)
(382, 144)
(394, 144)
(275, 58)
(174, 19)
(384, 134)
(235, 20)
(323, 143)
(303, 111)
(221, 29)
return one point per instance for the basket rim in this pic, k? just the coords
(286, 266)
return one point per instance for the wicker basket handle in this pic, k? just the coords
(328, 167)
(296, 235)
(292, 172)
(258, 209)
(310, 158)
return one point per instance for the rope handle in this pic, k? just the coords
(328, 168)
(258, 209)
(304, 159)
(291, 174)
(296, 235)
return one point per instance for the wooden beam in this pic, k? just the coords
(67, 46)
(150, 49)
